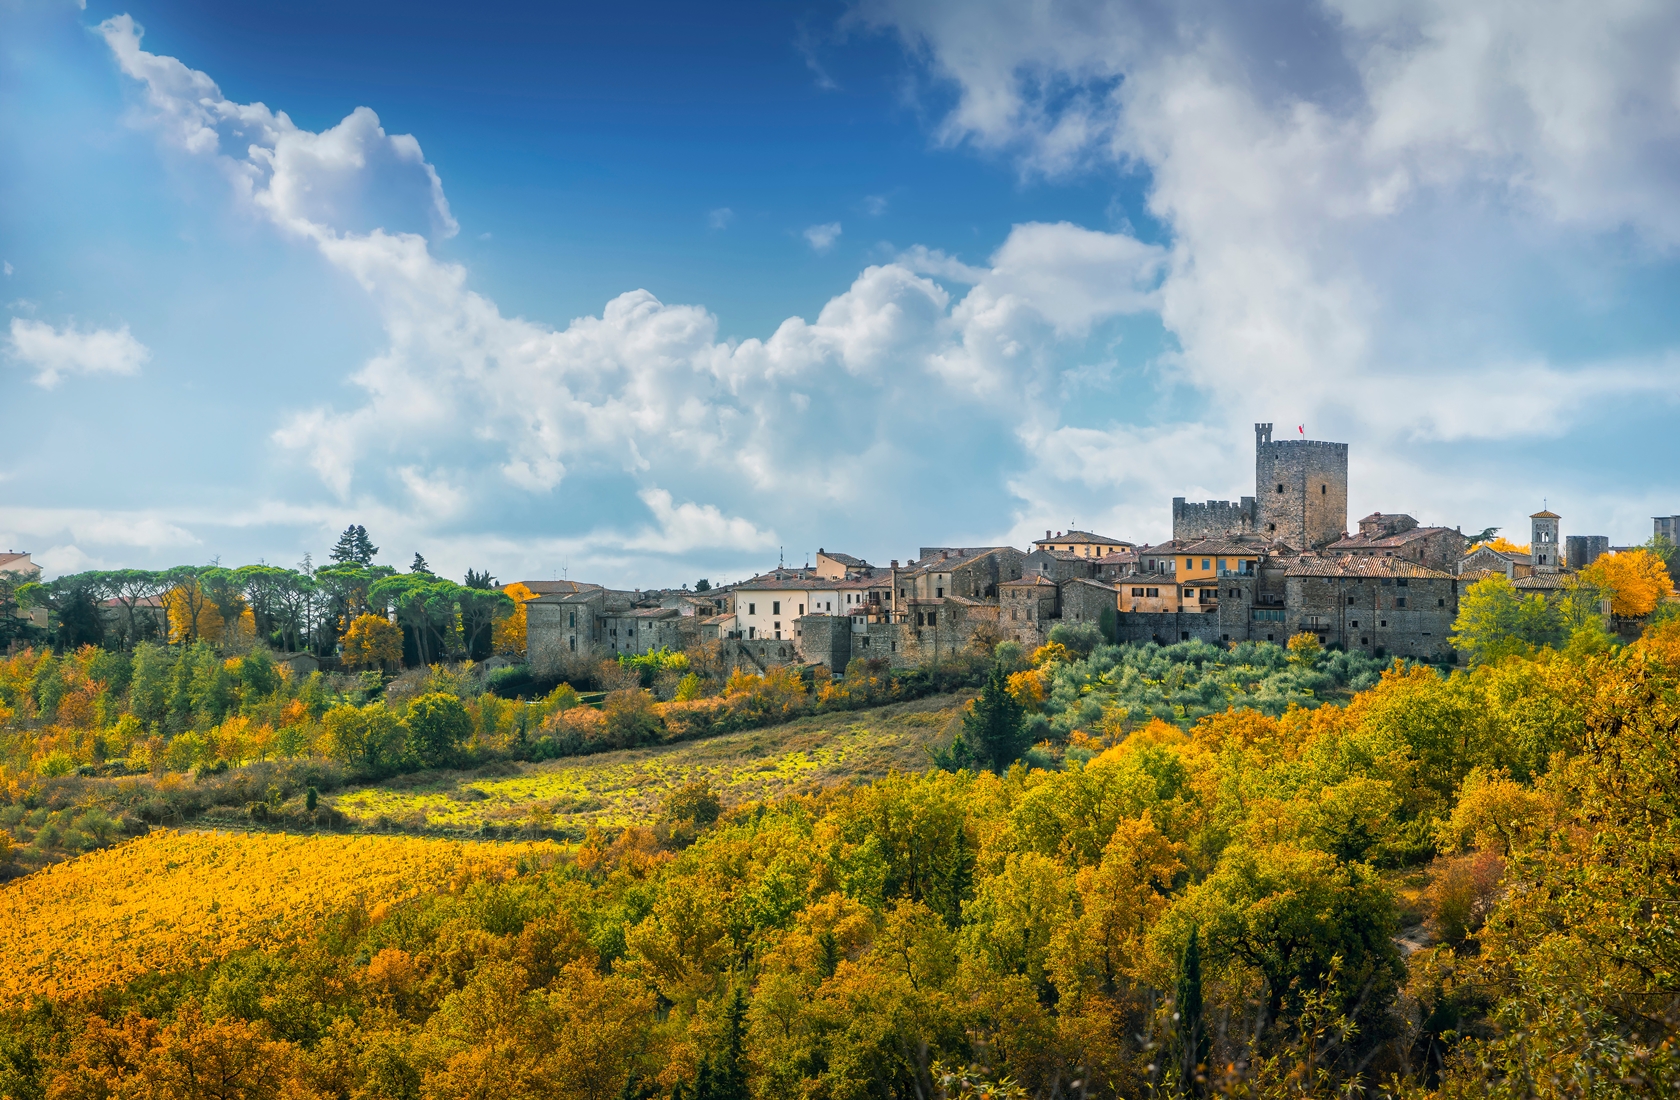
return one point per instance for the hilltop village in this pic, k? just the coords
(1265, 568)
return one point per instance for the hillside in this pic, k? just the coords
(618, 789)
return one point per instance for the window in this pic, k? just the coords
(775, 607)
(1267, 615)
(1350, 601)
(1383, 623)
(939, 592)
(573, 640)
(1137, 591)
(752, 609)
(1404, 582)
(1204, 563)
(1364, 641)
(1189, 593)
(1400, 601)
(1152, 592)
(1440, 603)
(1271, 527)
(1324, 490)
(802, 609)
(751, 631)
(571, 618)
(1224, 563)
(1280, 488)
(1354, 624)
(1189, 563)
(933, 617)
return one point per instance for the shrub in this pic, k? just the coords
(437, 727)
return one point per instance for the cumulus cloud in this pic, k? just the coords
(52, 353)
(822, 237)
(1313, 184)
(1339, 185)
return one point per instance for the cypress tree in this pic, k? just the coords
(995, 725)
(1194, 1050)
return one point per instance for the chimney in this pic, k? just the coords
(1046, 533)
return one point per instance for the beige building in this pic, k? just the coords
(18, 565)
(1083, 544)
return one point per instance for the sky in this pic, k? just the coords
(643, 294)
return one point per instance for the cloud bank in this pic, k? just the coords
(53, 353)
(1338, 197)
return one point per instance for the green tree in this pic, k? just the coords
(995, 724)
(438, 725)
(354, 547)
(723, 1076)
(418, 565)
(1496, 621)
(367, 737)
(1195, 1049)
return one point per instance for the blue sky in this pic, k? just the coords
(651, 296)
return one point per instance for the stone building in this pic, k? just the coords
(1580, 551)
(1081, 544)
(1509, 562)
(1300, 496)
(1302, 489)
(1027, 608)
(1084, 600)
(1381, 606)
(1399, 536)
(1059, 565)
(1544, 545)
(974, 572)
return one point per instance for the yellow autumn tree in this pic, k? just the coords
(372, 641)
(1503, 545)
(192, 616)
(1634, 580)
(509, 634)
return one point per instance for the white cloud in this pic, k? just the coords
(8, 267)
(720, 218)
(53, 353)
(875, 205)
(822, 237)
(689, 526)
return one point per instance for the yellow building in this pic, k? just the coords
(1081, 543)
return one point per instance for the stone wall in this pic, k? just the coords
(1580, 551)
(1367, 614)
(1166, 627)
(825, 640)
(1302, 486)
(1214, 519)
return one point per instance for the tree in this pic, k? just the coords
(480, 609)
(1195, 1051)
(1496, 621)
(368, 736)
(509, 633)
(419, 565)
(354, 547)
(723, 1076)
(1634, 580)
(438, 725)
(995, 724)
(372, 641)
(480, 580)
(1304, 649)
(702, 585)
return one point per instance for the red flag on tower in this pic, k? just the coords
(1302, 428)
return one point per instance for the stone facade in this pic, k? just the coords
(1059, 565)
(1544, 545)
(1399, 536)
(1087, 601)
(1028, 608)
(1580, 551)
(1167, 628)
(1214, 519)
(1302, 489)
(1381, 606)
(1508, 562)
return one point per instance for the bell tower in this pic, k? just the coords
(1543, 543)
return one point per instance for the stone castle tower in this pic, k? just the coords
(1543, 542)
(1301, 489)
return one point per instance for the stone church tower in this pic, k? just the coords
(1301, 487)
(1543, 542)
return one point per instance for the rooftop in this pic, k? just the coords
(1080, 536)
(1410, 535)
(1361, 567)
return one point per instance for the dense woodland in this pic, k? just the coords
(1465, 883)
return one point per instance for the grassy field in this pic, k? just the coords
(625, 788)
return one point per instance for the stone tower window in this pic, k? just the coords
(1280, 488)
(1324, 490)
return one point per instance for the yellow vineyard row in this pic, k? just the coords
(172, 900)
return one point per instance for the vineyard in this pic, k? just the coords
(173, 901)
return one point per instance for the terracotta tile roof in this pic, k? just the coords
(1473, 576)
(1361, 567)
(559, 588)
(1547, 582)
(1545, 515)
(844, 559)
(1414, 534)
(1034, 579)
(789, 581)
(1083, 536)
